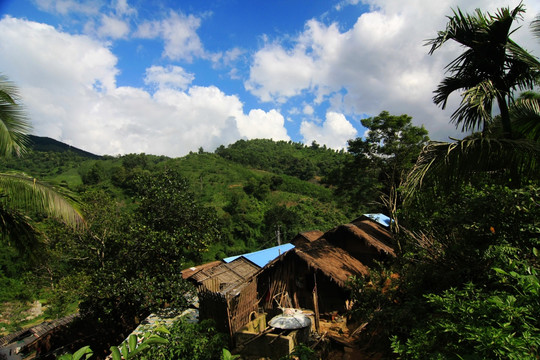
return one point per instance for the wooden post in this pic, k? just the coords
(229, 322)
(316, 304)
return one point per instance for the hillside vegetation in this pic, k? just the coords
(465, 217)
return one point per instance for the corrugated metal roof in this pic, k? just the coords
(380, 218)
(263, 257)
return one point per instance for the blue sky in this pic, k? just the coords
(168, 77)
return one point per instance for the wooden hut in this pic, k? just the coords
(316, 272)
(227, 289)
(311, 275)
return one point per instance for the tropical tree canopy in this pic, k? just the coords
(22, 195)
(491, 67)
(14, 124)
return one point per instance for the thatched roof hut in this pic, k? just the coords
(307, 237)
(326, 261)
(290, 280)
(363, 238)
(332, 261)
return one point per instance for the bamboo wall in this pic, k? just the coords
(230, 312)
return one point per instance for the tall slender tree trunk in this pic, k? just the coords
(505, 116)
(515, 177)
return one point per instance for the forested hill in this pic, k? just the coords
(282, 157)
(254, 186)
(40, 143)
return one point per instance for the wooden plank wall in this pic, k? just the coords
(279, 285)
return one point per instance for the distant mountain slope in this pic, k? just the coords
(40, 143)
(282, 157)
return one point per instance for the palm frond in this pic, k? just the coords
(448, 86)
(28, 194)
(448, 163)
(461, 28)
(17, 229)
(535, 26)
(519, 53)
(523, 68)
(476, 105)
(526, 116)
(501, 23)
(14, 124)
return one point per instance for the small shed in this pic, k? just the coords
(228, 290)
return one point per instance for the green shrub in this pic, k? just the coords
(475, 322)
(187, 341)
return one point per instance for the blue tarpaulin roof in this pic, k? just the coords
(380, 218)
(263, 257)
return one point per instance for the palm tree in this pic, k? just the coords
(526, 111)
(491, 67)
(19, 194)
(14, 124)
(525, 114)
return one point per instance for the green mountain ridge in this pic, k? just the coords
(43, 143)
(254, 186)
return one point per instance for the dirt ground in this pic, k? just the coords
(343, 336)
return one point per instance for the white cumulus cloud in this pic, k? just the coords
(381, 63)
(169, 77)
(113, 27)
(74, 98)
(259, 124)
(308, 110)
(179, 32)
(334, 132)
(65, 7)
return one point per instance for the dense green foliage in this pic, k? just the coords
(294, 159)
(128, 263)
(464, 286)
(473, 322)
(467, 284)
(368, 179)
(187, 341)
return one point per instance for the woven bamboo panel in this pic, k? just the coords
(279, 284)
(241, 306)
(238, 271)
(211, 284)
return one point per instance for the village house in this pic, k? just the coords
(311, 273)
(243, 293)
